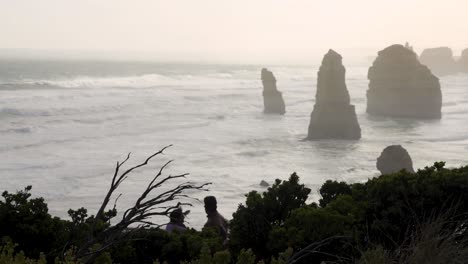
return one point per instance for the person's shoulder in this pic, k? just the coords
(169, 227)
(220, 216)
(209, 222)
(224, 220)
(172, 227)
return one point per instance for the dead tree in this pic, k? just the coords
(152, 202)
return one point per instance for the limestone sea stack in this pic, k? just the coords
(439, 60)
(333, 116)
(393, 159)
(400, 86)
(463, 61)
(272, 98)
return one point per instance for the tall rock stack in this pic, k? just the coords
(393, 159)
(272, 98)
(400, 86)
(439, 60)
(463, 62)
(333, 116)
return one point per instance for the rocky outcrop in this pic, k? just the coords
(400, 86)
(272, 98)
(439, 60)
(463, 61)
(333, 116)
(408, 46)
(265, 184)
(393, 159)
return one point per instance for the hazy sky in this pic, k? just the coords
(232, 29)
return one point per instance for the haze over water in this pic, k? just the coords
(66, 123)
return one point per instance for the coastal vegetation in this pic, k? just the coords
(403, 217)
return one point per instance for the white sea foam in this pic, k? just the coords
(142, 81)
(137, 81)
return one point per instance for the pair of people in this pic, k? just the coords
(215, 219)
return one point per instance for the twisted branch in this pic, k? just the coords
(148, 205)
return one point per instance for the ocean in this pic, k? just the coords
(64, 124)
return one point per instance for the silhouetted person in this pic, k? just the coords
(176, 221)
(214, 218)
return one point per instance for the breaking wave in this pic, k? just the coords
(137, 81)
(143, 81)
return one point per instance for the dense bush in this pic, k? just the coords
(252, 223)
(394, 204)
(398, 218)
(29, 224)
(384, 211)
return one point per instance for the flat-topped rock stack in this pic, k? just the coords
(333, 116)
(400, 86)
(393, 159)
(439, 60)
(272, 98)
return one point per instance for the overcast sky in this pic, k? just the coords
(232, 29)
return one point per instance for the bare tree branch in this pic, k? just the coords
(150, 203)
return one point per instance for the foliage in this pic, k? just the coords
(148, 245)
(376, 255)
(220, 257)
(28, 222)
(396, 218)
(397, 203)
(307, 225)
(8, 255)
(252, 223)
(331, 190)
(283, 257)
(432, 242)
(246, 257)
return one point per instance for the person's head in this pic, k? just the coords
(210, 204)
(177, 216)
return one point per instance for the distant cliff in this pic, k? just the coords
(439, 60)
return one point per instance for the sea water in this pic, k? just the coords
(65, 124)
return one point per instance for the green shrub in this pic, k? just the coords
(388, 219)
(9, 255)
(330, 190)
(252, 222)
(27, 222)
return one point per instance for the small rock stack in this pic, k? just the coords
(333, 116)
(393, 159)
(400, 86)
(439, 60)
(272, 98)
